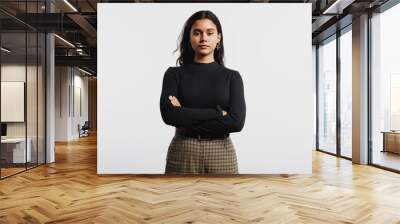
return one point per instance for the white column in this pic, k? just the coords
(360, 90)
(50, 92)
(50, 110)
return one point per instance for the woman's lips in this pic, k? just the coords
(203, 46)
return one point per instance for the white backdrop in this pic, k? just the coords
(269, 44)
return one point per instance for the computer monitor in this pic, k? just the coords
(3, 129)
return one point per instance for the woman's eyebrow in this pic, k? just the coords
(199, 30)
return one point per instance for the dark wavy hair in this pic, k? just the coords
(186, 51)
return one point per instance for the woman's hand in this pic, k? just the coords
(224, 113)
(174, 101)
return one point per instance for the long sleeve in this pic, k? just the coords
(235, 119)
(180, 116)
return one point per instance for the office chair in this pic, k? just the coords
(84, 130)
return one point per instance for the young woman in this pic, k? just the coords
(204, 100)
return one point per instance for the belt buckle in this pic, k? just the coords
(198, 137)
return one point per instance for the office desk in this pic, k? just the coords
(13, 150)
(391, 141)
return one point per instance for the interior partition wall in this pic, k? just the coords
(22, 89)
(334, 94)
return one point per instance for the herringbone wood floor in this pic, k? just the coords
(70, 191)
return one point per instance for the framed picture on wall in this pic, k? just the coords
(12, 101)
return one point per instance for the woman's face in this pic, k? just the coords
(204, 37)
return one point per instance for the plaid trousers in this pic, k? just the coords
(193, 156)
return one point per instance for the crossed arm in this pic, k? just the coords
(203, 120)
(175, 102)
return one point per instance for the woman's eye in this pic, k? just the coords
(210, 33)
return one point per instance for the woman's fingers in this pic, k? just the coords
(177, 102)
(171, 99)
(174, 101)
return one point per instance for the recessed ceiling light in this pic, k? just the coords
(337, 7)
(64, 40)
(5, 50)
(84, 71)
(70, 5)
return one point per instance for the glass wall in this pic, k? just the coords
(335, 74)
(13, 90)
(327, 95)
(346, 93)
(385, 88)
(22, 90)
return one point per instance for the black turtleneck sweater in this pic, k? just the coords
(203, 89)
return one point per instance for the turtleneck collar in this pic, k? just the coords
(204, 64)
(209, 65)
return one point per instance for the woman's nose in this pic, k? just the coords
(204, 36)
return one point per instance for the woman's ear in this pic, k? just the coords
(219, 37)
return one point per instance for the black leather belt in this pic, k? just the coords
(190, 134)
